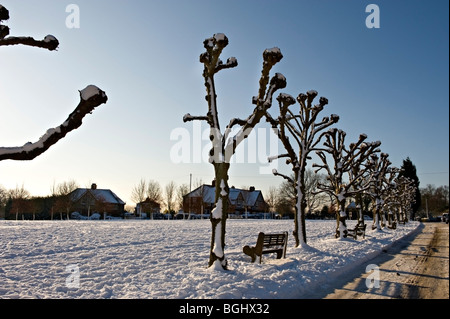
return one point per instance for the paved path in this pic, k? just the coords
(416, 267)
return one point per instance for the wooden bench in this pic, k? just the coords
(266, 244)
(359, 230)
(393, 225)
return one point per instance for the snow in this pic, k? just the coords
(161, 259)
(274, 50)
(29, 147)
(223, 192)
(217, 249)
(49, 38)
(219, 37)
(90, 91)
(217, 211)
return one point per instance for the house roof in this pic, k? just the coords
(106, 195)
(208, 193)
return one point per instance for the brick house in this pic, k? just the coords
(86, 201)
(201, 200)
(148, 207)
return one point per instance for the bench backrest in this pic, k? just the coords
(278, 240)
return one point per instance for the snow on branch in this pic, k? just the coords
(289, 179)
(90, 97)
(188, 117)
(49, 42)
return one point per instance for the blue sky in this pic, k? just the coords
(390, 83)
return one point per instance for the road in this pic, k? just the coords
(416, 267)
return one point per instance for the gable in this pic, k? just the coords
(104, 195)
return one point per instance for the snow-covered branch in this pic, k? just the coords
(289, 179)
(188, 117)
(91, 97)
(49, 42)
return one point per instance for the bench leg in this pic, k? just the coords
(250, 251)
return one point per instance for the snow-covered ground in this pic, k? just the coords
(168, 259)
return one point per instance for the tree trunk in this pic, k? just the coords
(360, 209)
(300, 209)
(341, 227)
(377, 215)
(219, 217)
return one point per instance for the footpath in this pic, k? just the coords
(415, 267)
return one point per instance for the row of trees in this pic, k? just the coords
(351, 169)
(435, 200)
(18, 202)
(171, 197)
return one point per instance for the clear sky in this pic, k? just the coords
(390, 83)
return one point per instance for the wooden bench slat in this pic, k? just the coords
(266, 244)
(359, 230)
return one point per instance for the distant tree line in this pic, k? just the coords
(19, 204)
(434, 199)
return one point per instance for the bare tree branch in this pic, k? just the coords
(91, 97)
(50, 42)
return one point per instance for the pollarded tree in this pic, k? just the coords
(344, 161)
(224, 143)
(378, 168)
(390, 196)
(90, 98)
(406, 197)
(306, 131)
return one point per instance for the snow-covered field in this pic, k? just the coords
(168, 259)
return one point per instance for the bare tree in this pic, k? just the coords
(170, 190)
(305, 130)
(154, 192)
(64, 200)
(154, 197)
(138, 193)
(344, 160)
(378, 168)
(182, 190)
(272, 198)
(19, 197)
(406, 196)
(224, 143)
(3, 200)
(313, 196)
(90, 98)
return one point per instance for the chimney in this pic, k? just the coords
(94, 186)
(252, 188)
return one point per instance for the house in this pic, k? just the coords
(89, 200)
(201, 201)
(148, 207)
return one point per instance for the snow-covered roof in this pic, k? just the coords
(105, 195)
(251, 197)
(208, 192)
